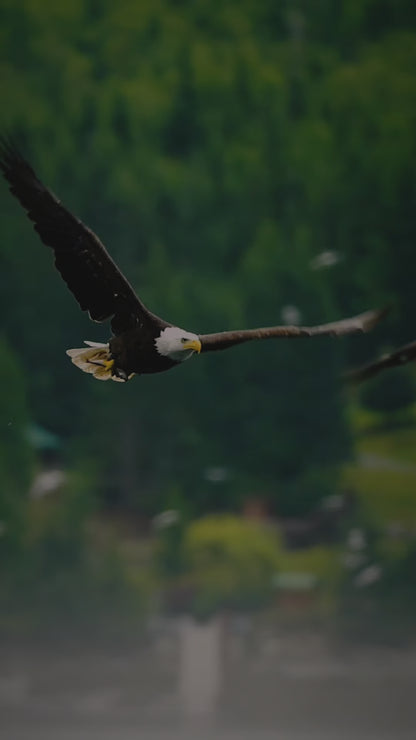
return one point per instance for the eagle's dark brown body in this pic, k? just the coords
(135, 352)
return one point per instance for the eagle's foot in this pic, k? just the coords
(116, 372)
(119, 373)
(107, 364)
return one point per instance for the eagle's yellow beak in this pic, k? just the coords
(194, 345)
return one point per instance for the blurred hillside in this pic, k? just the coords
(243, 162)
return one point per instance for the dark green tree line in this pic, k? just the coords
(216, 150)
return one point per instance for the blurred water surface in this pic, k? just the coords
(74, 691)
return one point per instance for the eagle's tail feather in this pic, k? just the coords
(95, 360)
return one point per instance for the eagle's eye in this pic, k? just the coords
(184, 339)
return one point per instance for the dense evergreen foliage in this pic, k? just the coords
(218, 149)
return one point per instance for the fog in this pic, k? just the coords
(296, 686)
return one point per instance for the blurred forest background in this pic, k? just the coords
(246, 163)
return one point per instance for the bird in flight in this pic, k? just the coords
(141, 342)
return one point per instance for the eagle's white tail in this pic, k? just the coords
(95, 360)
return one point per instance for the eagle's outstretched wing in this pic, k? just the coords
(84, 263)
(222, 340)
(399, 357)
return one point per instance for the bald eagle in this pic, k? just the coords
(141, 342)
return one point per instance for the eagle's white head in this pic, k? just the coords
(177, 344)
